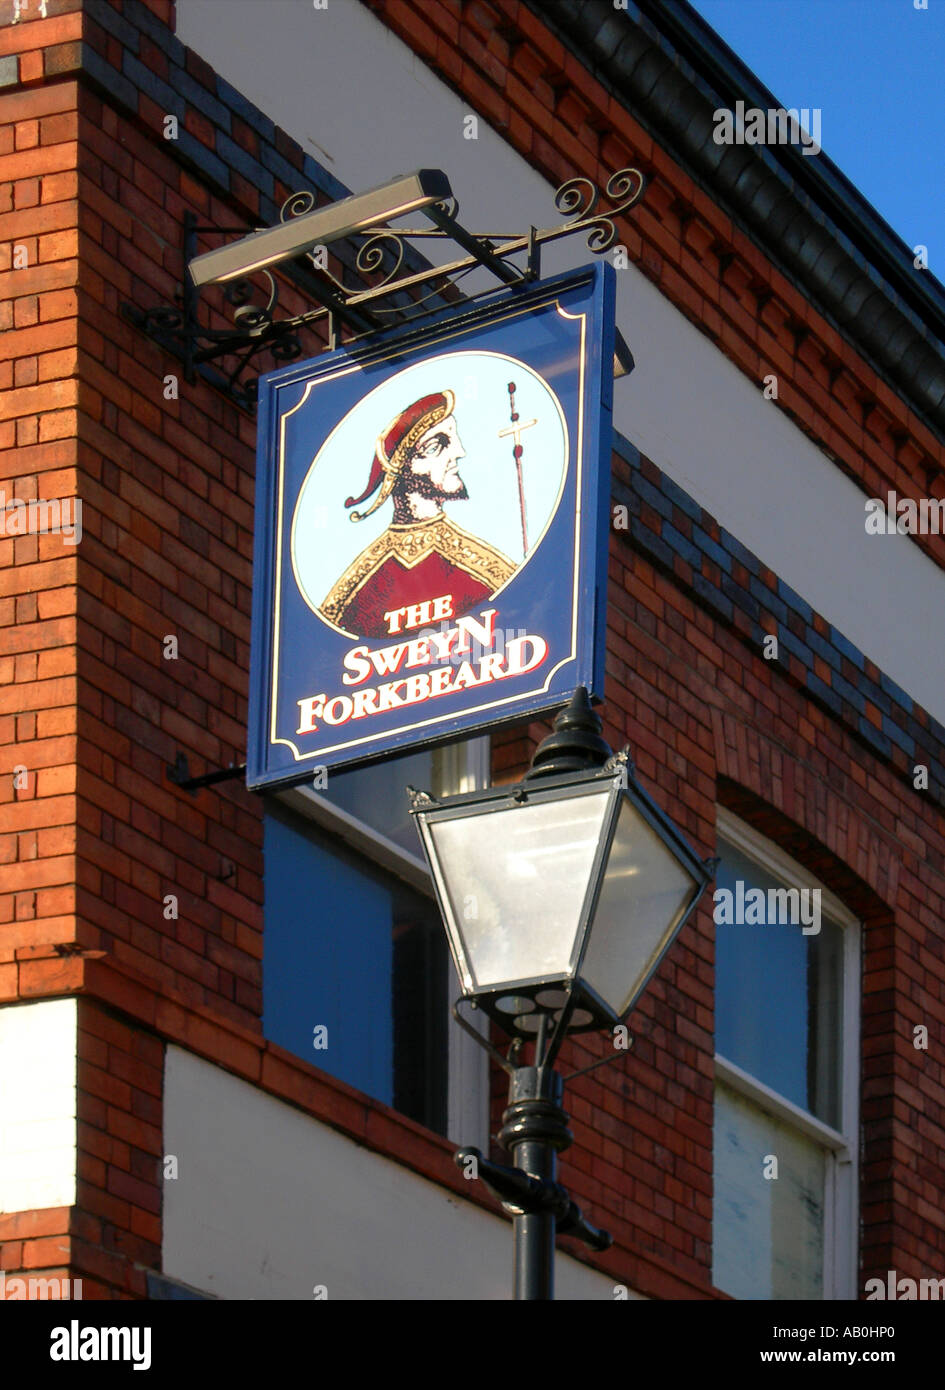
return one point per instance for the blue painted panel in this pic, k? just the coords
(328, 961)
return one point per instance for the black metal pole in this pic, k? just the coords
(534, 1232)
(534, 1130)
(534, 1126)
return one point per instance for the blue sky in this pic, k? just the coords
(876, 69)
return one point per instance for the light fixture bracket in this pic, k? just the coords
(380, 280)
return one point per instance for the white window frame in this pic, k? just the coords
(841, 1147)
(457, 767)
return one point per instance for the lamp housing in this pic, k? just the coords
(560, 894)
(334, 221)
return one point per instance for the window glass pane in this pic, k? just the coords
(778, 991)
(377, 795)
(768, 1231)
(419, 998)
(353, 950)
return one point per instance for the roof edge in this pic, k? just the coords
(840, 253)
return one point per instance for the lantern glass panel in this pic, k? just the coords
(516, 880)
(645, 893)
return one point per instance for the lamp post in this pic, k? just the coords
(560, 896)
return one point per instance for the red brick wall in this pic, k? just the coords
(169, 485)
(38, 660)
(116, 1222)
(89, 705)
(38, 601)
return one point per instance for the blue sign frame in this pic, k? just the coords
(472, 453)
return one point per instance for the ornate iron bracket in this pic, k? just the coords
(383, 295)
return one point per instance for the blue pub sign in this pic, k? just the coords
(431, 529)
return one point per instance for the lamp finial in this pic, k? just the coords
(576, 744)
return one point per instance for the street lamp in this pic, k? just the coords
(560, 896)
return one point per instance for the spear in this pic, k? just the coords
(516, 430)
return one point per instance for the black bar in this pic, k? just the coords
(176, 773)
(480, 249)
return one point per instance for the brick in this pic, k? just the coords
(251, 169)
(110, 19)
(159, 91)
(146, 1225)
(61, 424)
(91, 1259)
(31, 67)
(156, 19)
(46, 1252)
(31, 1225)
(50, 977)
(62, 57)
(107, 1087)
(197, 95)
(30, 399)
(59, 128)
(56, 187)
(30, 163)
(135, 1132)
(206, 162)
(57, 305)
(17, 38)
(145, 1195)
(119, 86)
(52, 365)
(59, 246)
(245, 109)
(26, 135)
(21, 106)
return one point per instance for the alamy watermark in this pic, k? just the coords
(41, 516)
(774, 126)
(903, 516)
(902, 1290)
(78, 1343)
(36, 1287)
(757, 907)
